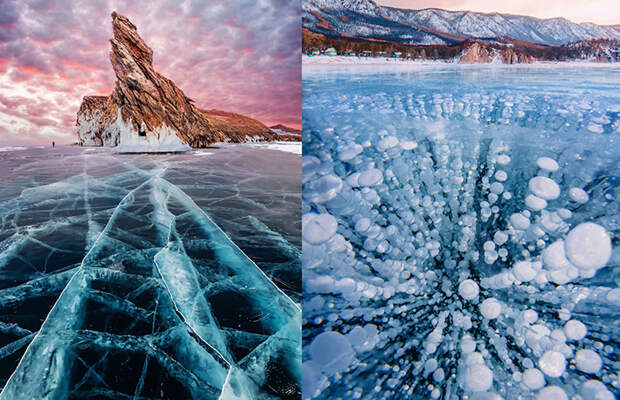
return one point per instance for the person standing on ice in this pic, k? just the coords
(53, 144)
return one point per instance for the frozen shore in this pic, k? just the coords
(344, 60)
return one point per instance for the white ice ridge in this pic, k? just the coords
(186, 338)
(162, 140)
(461, 267)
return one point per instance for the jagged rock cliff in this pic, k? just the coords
(147, 111)
(478, 53)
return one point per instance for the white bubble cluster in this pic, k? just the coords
(438, 267)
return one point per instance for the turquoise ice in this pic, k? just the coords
(117, 283)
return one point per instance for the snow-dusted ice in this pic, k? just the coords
(150, 276)
(460, 232)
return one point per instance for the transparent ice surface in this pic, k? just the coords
(444, 256)
(149, 276)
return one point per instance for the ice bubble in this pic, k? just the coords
(523, 271)
(588, 246)
(552, 363)
(588, 361)
(409, 145)
(468, 289)
(500, 238)
(564, 213)
(544, 187)
(488, 245)
(519, 221)
(387, 142)
(503, 159)
(533, 378)
(320, 284)
(575, 330)
(530, 316)
(497, 188)
(547, 164)
(439, 375)
(309, 166)
(595, 390)
(312, 379)
(468, 345)
(554, 256)
(490, 308)
(552, 393)
(578, 195)
(332, 352)
(318, 228)
(349, 152)
(370, 177)
(501, 175)
(478, 378)
(535, 203)
(362, 224)
(323, 189)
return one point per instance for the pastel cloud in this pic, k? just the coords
(604, 12)
(242, 56)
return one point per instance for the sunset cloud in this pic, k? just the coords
(603, 12)
(241, 56)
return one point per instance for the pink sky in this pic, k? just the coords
(604, 12)
(242, 56)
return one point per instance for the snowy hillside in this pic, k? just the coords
(364, 18)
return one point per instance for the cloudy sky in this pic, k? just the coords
(597, 11)
(241, 56)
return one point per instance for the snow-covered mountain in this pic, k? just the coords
(367, 19)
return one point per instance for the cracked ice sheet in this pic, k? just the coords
(147, 277)
(426, 273)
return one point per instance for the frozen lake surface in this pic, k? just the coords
(460, 232)
(168, 276)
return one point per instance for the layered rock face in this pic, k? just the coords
(148, 110)
(477, 53)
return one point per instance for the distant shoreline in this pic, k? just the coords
(308, 61)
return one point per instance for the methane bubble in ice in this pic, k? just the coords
(544, 188)
(446, 252)
(588, 246)
(547, 164)
(578, 195)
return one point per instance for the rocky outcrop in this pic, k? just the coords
(286, 133)
(476, 54)
(148, 108)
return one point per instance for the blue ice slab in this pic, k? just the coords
(116, 284)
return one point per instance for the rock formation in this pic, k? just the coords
(148, 110)
(478, 53)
